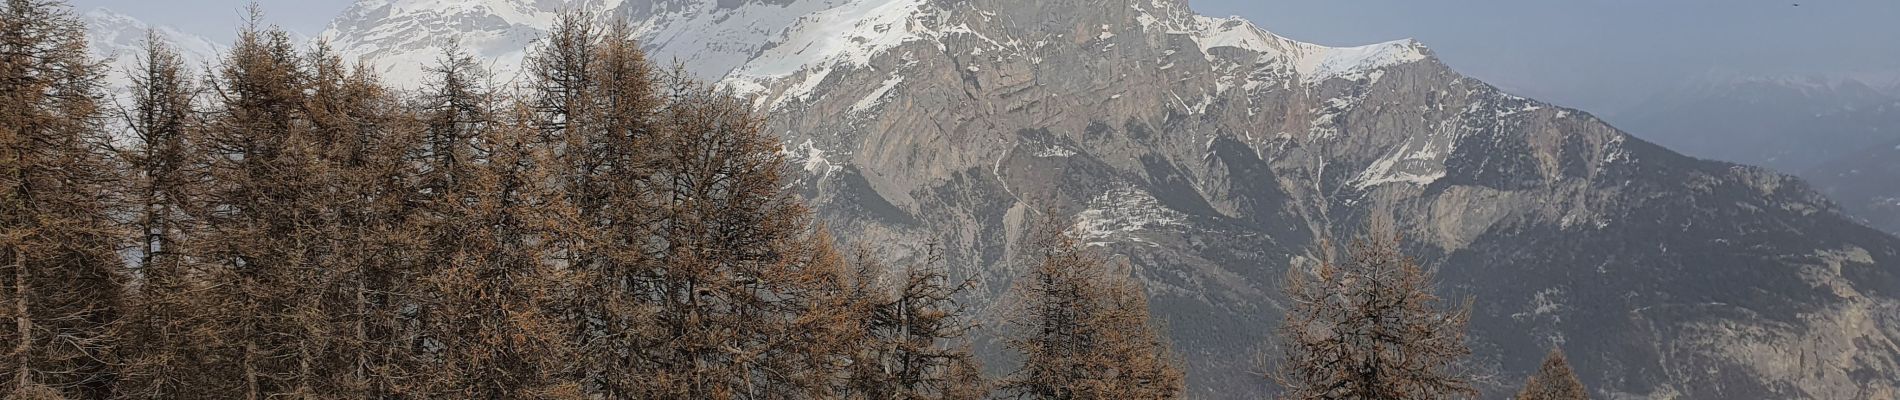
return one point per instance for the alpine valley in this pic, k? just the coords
(1213, 156)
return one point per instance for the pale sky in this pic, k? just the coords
(1595, 54)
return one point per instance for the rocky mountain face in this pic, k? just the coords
(1212, 156)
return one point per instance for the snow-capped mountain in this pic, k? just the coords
(1212, 156)
(402, 38)
(119, 39)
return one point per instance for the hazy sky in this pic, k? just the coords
(1595, 54)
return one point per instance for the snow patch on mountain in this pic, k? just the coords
(850, 33)
(812, 158)
(1120, 213)
(1353, 63)
(1388, 170)
(1314, 63)
(715, 40)
(876, 98)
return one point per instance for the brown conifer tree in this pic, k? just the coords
(58, 265)
(910, 336)
(1369, 327)
(164, 168)
(488, 205)
(733, 267)
(456, 108)
(266, 221)
(596, 96)
(1085, 333)
(366, 259)
(1554, 381)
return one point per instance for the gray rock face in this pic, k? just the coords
(1211, 155)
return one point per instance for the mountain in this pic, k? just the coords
(1790, 123)
(1866, 183)
(1211, 156)
(1833, 131)
(119, 40)
(401, 38)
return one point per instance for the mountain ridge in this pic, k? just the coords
(1212, 169)
(119, 39)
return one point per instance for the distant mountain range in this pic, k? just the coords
(121, 38)
(1837, 132)
(1866, 183)
(1212, 156)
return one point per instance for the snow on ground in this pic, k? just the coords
(876, 98)
(1055, 151)
(1121, 212)
(809, 156)
(1314, 63)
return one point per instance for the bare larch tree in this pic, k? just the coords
(911, 334)
(1554, 381)
(164, 168)
(1084, 331)
(59, 277)
(1369, 327)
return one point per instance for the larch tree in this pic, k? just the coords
(489, 205)
(733, 266)
(597, 102)
(364, 136)
(456, 107)
(1554, 381)
(697, 275)
(1369, 327)
(910, 336)
(1084, 332)
(164, 168)
(267, 231)
(59, 277)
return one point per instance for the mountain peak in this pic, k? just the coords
(1315, 63)
(402, 37)
(117, 38)
(749, 43)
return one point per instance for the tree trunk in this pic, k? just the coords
(22, 321)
